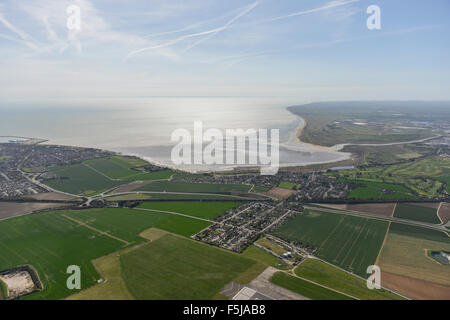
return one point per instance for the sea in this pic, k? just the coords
(144, 126)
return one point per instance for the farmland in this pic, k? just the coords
(263, 257)
(416, 213)
(128, 223)
(50, 243)
(169, 186)
(94, 176)
(176, 268)
(349, 242)
(80, 179)
(329, 276)
(288, 185)
(411, 180)
(205, 210)
(305, 288)
(405, 253)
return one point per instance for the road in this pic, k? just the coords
(374, 216)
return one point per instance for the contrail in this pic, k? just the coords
(329, 5)
(25, 38)
(209, 33)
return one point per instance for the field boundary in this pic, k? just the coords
(84, 224)
(384, 242)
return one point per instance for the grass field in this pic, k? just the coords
(288, 185)
(349, 242)
(368, 190)
(176, 268)
(329, 276)
(80, 179)
(265, 258)
(405, 253)
(195, 187)
(124, 169)
(96, 175)
(200, 209)
(128, 223)
(423, 178)
(3, 291)
(181, 197)
(50, 243)
(305, 288)
(416, 213)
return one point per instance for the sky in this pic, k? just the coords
(310, 50)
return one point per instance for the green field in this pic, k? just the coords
(263, 257)
(180, 269)
(3, 291)
(288, 185)
(349, 242)
(368, 190)
(120, 168)
(128, 223)
(329, 276)
(305, 288)
(80, 179)
(50, 243)
(181, 197)
(416, 213)
(97, 175)
(419, 233)
(195, 187)
(409, 180)
(200, 209)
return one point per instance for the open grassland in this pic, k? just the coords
(288, 185)
(368, 190)
(305, 288)
(169, 186)
(265, 258)
(120, 168)
(329, 276)
(3, 291)
(405, 253)
(113, 287)
(349, 242)
(200, 209)
(128, 223)
(411, 180)
(50, 243)
(176, 268)
(416, 213)
(96, 175)
(80, 179)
